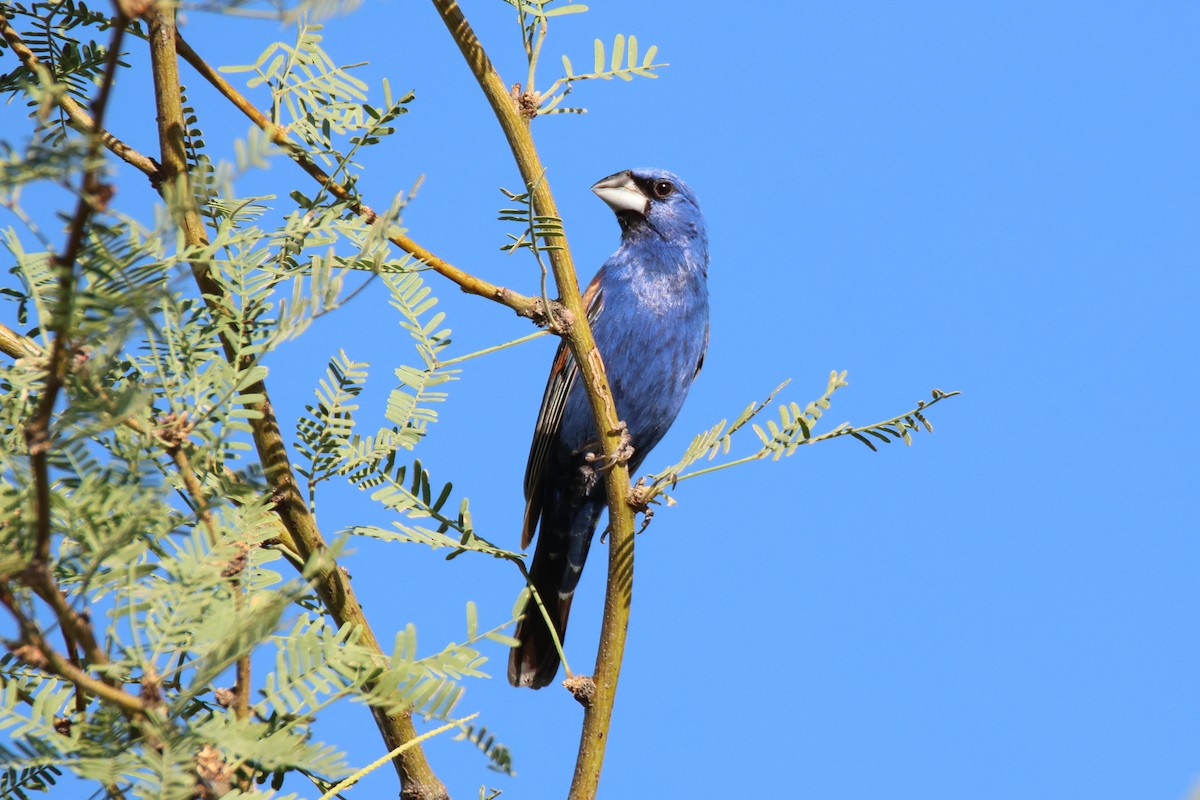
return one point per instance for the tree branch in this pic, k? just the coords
(15, 345)
(37, 431)
(43, 656)
(418, 781)
(175, 441)
(597, 715)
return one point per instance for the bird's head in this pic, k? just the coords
(652, 201)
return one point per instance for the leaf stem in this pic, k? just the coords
(494, 349)
(379, 762)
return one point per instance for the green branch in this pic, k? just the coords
(578, 335)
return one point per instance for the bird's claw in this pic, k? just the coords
(622, 455)
(639, 499)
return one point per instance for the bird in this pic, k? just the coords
(648, 310)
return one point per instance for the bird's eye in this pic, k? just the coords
(663, 189)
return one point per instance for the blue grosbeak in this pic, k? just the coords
(648, 308)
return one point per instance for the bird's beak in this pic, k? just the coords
(621, 193)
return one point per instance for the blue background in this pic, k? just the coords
(995, 198)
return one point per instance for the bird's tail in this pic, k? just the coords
(534, 662)
(563, 543)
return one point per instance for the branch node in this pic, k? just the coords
(37, 439)
(582, 688)
(173, 429)
(559, 319)
(237, 564)
(30, 655)
(527, 102)
(214, 777)
(151, 691)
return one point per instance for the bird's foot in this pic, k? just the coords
(639, 499)
(623, 453)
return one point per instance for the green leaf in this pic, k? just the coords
(862, 439)
(573, 8)
(618, 52)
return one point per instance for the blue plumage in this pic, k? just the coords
(648, 308)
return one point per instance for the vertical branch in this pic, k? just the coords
(417, 778)
(515, 124)
(37, 575)
(91, 198)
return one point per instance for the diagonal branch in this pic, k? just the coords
(38, 653)
(79, 118)
(15, 345)
(303, 537)
(597, 713)
(530, 307)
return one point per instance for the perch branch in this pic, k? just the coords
(578, 334)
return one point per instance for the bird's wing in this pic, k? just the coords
(703, 350)
(563, 375)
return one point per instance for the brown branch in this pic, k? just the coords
(79, 118)
(418, 781)
(191, 483)
(515, 124)
(37, 653)
(37, 430)
(530, 307)
(76, 626)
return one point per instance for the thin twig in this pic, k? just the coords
(176, 444)
(192, 484)
(75, 625)
(341, 786)
(43, 656)
(493, 349)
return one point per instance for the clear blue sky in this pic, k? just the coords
(996, 198)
